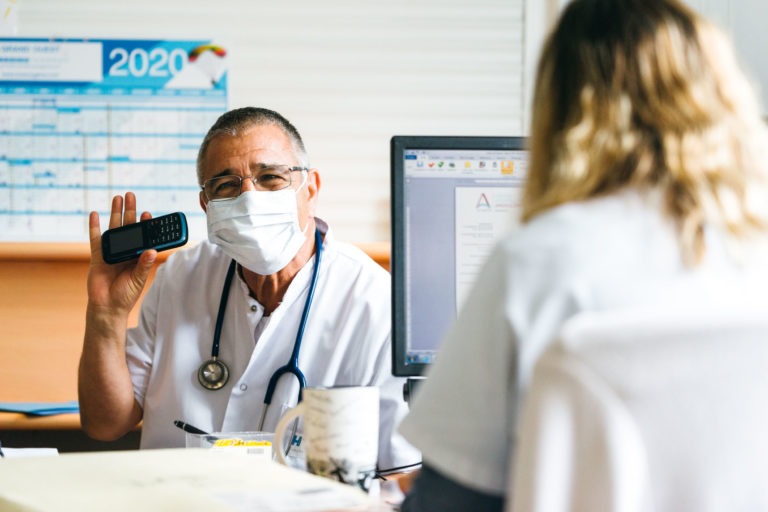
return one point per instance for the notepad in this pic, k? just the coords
(40, 408)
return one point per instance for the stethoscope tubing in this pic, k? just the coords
(214, 374)
(222, 310)
(293, 364)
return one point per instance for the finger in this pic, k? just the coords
(116, 216)
(148, 257)
(130, 208)
(94, 234)
(145, 216)
(143, 268)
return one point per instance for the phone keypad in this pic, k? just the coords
(162, 230)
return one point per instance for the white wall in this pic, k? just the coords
(348, 73)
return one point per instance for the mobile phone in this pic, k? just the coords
(129, 241)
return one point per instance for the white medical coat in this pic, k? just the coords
(346, 342)
(613, 252)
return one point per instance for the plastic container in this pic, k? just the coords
(250, 443)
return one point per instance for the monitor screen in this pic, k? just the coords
(452, 199)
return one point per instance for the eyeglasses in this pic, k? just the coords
(268, 179)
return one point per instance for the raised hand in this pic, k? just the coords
(115, 289)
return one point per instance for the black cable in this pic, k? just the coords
(382, 473)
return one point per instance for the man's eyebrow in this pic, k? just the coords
(225, 172)
(263, 165)
(256, 166)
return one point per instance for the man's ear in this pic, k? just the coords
(202, 202)
(313, 190)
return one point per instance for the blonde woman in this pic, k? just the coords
(646, 186)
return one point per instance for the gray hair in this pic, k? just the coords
(236, 121)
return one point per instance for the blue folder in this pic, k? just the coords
(40, 408)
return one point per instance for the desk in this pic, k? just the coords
(178, 479)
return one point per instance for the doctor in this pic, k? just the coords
(270, 289)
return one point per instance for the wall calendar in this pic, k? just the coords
(84, 119)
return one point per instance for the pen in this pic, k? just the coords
(186, 427)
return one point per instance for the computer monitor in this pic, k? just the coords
(452, 199)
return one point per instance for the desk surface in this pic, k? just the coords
(178, 479)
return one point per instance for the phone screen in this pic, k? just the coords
(127, 239)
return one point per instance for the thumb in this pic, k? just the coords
(144, 267)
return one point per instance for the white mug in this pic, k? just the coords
(341, 432)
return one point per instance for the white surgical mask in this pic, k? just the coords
(260, 230)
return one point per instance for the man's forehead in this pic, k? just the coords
(253, 138)
(242, 151)
(258, 144)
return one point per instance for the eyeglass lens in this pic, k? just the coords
(268, 179)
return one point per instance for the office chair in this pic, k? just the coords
(647, 411)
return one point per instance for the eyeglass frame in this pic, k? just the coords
(290, 169)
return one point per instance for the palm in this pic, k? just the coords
(114, 286)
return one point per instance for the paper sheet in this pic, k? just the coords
(17, 453)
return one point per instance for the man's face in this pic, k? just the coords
(256, 147)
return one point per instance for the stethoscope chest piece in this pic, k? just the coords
(213, 374)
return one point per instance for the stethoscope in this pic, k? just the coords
(214, 373)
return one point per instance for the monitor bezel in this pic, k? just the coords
(398, 145)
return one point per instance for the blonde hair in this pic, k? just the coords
(647, 94)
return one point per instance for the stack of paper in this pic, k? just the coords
(179, 479)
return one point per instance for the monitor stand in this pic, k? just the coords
(409, 388)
